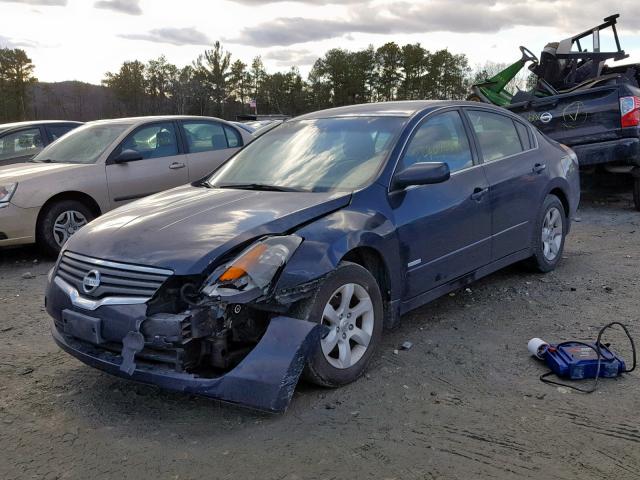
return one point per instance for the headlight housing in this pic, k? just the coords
(250, 274)
(6, 192)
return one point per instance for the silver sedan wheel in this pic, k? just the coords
(552, 231)
(350, 318)
(67, 224)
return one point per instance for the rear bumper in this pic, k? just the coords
(625, 151)
(17, 225)
(264, 380)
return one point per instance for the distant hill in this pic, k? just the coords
(71, 100)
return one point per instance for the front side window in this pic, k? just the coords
(153, 141)
(440, 139)
(205, 136)
(21, 144)
(316, 155)
(496, 134)
(82, 145)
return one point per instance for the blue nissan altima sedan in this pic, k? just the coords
(291, 257)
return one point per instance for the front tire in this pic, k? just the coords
(58, 222)
(549, 235)
(350, 304)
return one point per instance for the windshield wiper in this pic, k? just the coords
(260, 186)
(44, 160)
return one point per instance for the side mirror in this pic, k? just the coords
(422, 174)
(128, 156)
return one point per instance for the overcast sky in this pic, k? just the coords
(83, 39)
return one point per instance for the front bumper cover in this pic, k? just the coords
(264, 380)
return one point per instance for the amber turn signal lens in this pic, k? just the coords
(242, 264)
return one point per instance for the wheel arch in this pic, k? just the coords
(82, 197)
(564, 199)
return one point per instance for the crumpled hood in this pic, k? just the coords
(19, 172)
(187, 228)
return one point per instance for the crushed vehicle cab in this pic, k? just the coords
(579, 100)
(291, 257)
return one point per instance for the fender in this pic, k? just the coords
(336, 235)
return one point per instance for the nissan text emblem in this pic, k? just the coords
(91, 281)
(546, 117)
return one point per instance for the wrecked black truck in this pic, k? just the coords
(579, 100)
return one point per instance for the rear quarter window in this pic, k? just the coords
(525, 135)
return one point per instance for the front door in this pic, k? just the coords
(444, 229)
(162, 167)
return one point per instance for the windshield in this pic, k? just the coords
(315, 155)
(82, 145)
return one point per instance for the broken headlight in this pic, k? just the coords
(250, 274)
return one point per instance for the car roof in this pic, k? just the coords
(406, 108)
(155, 118)
(33, 123)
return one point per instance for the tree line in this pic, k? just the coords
(216, 84)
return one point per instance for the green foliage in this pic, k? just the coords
(16, 75)
(218, 85)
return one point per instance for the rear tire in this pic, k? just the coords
(58, 222)
(636, 192)
(549, 235)
(350, 304)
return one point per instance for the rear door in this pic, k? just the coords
(444, 229)
(163, 166)
(585, 116)
(517, 176)
(208, 144)
(56, 131)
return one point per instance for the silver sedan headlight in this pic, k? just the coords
(250, 273)
(6, 192)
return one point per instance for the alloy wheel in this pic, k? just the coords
(552, 231)
(349, 315)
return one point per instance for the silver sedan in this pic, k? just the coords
(103, 165)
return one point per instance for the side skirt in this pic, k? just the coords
(424, 298)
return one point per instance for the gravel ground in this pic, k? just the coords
(464, 402)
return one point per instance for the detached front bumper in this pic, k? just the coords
(265, 379)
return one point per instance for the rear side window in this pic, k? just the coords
(525, 138)
(154, 141)
(440, 139)
(205, 136)
(496, 134)
(57, 131)
(233, 137)
(21, 144)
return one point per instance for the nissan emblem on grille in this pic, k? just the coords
(91, 281)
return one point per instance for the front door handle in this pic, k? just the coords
(539, 168)
(478, 193)
(176, 165)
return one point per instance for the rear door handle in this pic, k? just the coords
(176, 165)
(478, 193)
(539, 168)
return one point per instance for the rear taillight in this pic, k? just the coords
(570, 152)
(630, 111)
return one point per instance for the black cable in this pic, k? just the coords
(598, 350)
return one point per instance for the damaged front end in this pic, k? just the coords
(229, 336)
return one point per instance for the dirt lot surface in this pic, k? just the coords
(465, 402)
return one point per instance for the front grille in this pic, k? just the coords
(116, 279)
